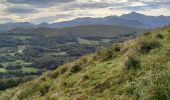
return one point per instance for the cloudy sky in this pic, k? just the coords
(38, 11)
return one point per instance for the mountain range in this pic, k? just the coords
(132, 19)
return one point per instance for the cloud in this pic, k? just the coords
(62, 10)
(21, 10)
(39, 2)
(51, 19)
(90, 5)
(6, 20)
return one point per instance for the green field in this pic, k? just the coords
(17, 62)
(89, 42)
(29, 70)
(24, 70)
(3, 70)
(21, 37)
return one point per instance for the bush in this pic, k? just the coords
(53, 74)
(85, 60)
(75, 68)
(159, 36)
(105, 54)
(147, 33)
(146, 46)
(63, 69)
(85, 77)
(116, 47)
(102, 54)
(130, 61)
(44, 89)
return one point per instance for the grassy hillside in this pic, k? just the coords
(82, 31)
(138, 69)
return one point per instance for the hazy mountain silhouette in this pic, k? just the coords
(131, 20)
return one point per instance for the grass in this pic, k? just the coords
(124, 72)
(3, 70)
(29, 70)
(21, 37)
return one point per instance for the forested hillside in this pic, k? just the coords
(137, 69)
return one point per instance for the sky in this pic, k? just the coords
(37, 11)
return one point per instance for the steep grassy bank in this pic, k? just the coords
(138, 69)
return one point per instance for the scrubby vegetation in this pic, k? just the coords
(138, 69)
(12, 82)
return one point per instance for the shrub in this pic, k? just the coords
(116, 47)
(105, 54)
(130, 61)
(63, 69)
(83, 60)
(85, 77)
(53, 74)
(44, 89)
(146, 46)
(147, 33)
(75, 68)
(159, 36)
(101, 54)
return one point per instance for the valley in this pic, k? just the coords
(31, 52)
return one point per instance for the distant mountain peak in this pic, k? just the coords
(133, 14)
(43, 23)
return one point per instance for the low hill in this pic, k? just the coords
(82, 31)
(138, 69)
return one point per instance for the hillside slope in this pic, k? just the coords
(138, 69)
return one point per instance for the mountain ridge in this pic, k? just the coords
(133, 19)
